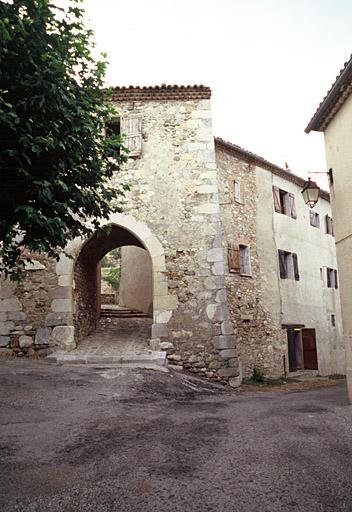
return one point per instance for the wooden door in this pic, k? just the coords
(310, 358)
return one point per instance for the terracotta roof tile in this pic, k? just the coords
(334, 99)
(161, 92)
(254, 159)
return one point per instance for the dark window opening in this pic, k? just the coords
(288, 265)
(113, 128)
(331, 278)
(284, 202)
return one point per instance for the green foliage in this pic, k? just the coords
(111, 275)
(56, 162)
(337, 376)
(112, 258)
(257, 375)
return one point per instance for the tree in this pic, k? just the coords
(56, 159)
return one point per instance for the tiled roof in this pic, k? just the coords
(254, 159)
(161, 92)
(334, 99)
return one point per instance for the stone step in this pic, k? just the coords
(121, 313)
(144, 360)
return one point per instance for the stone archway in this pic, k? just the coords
(134, 233)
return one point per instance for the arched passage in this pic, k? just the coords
(87, 275)
(80, 273)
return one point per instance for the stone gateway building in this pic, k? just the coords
(200, 253)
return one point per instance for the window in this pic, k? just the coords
(288, 264)
(331, 278)
(284, 202)
(131, 130)
(314, 219)
(333, 320)
(239, 260)
(113, 128)
(238, 195)
(329, 227)
(245, 264)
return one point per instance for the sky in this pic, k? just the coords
(269, 63)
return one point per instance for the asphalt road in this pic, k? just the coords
(86, 439)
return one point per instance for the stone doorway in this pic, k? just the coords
(78, 271)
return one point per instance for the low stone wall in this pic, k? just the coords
(25, 311)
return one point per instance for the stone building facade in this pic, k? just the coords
(172, 212)
(183, 221)
(271, 312)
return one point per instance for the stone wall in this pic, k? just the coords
(262, 303)
(24, 306)
(261, 341)
(174, 190)
(173, 212)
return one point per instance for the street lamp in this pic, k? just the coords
(310, 193)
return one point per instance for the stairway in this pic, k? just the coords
(113, 311)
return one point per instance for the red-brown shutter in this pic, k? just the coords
(277, 203)
(234, 260)
(293, 211)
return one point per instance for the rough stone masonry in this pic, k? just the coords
(173, 212)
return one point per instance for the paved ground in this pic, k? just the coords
(117, 336)
(102, 440)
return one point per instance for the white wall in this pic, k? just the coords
(307, 301)
(338, 149)
(135, 290)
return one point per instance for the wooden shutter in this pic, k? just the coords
(237, 186)
(314, 219)
(328, 225)
(234, 260)
(328, 277)
(309, 344)
(295, 266)
(293, 211)
(131, 130)
(277, 203)
(282, 264)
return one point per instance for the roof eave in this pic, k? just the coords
(333, 101)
